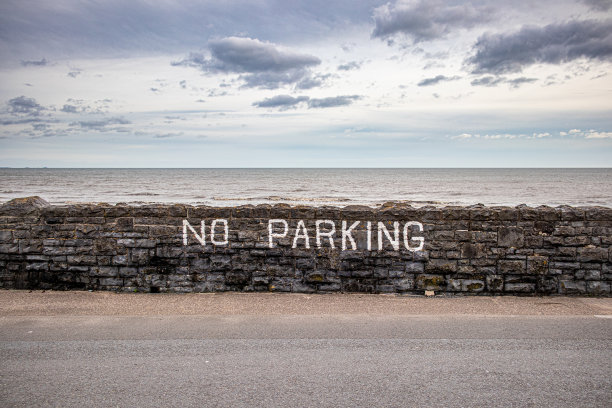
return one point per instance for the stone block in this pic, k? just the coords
(568, 287)
(441, 266)
(537, 265)
(330, 287)
(237, 278)
(520, 287)
(495, 283)
(510, 237)
(404, 285)
(463, 235)
(598, 288)
(471, 250)
(430, 282)
(515, 267)
(592, 275)
(592, 254)
(6, 236)
(472, 285)
(454, 285)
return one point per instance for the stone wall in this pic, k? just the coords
(393, 249)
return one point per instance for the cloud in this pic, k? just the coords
(437, 79)
(167, 135)
(517, 82)
(6, 122)
(281, 101)
(487, 81)
(264, 65)
(309, 82)
(101, 124)
(74, 73)
(285, 102)
(599, 5)
(22, 105)
(118, 28)
(491, 81)
(69, 109)
(587, 134)
(333, 101)
(349, 66)
(43, 62)
(426, 20)
(573, 133)
(499, 136)
(236, 54)
(552, 44)
(274, 80)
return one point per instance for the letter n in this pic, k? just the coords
(395, 242)
(201, 239)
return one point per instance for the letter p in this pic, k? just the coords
(272, 235)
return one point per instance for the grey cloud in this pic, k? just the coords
(40, 63)
(22, 105)
(235, 54)
(100, 124)
(286, 101)
(599, 5)
(40, 127)
(69, 109)
(332, 101)
(183, 84)
(437, 79)
(491, 81)
(97, 28)
(312, 81)
(273, 80)
(167, 135)
(6, 122)
(515, 83)
(73, 74)
(194, 59)
(241, 54)
(264, 65)
(281, 101)
(487, 81)
(349, 66)
(553, 44)
(426, 20)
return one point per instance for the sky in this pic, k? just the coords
(280, 83)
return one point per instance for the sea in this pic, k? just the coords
(316, 187)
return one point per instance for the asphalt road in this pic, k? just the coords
(395, 359)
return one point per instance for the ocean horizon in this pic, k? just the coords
(313, 186)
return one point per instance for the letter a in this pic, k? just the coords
(303, 235)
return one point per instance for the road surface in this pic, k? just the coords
(75, 349)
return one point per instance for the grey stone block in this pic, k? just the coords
(519, 287)
(511, 267)
(510, 237)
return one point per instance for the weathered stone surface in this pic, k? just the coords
(430, 282)
(511, 267)
(24, 205)
(510, 237)
(473, 249)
